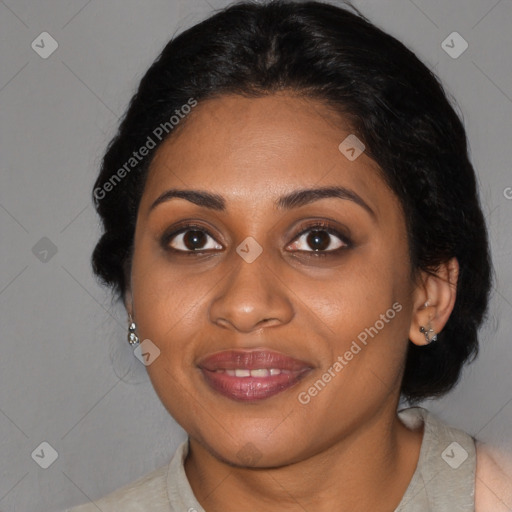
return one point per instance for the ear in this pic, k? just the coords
(434, 299)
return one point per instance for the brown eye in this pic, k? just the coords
(319, 240)
(192, 240)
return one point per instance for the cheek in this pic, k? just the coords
(364, 345)
(163, 292)
(166, 307)
(363, 314)
(367, 330)
(356, 295)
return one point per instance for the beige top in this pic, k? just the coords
(444, 479)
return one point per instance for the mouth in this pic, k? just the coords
(252, 375)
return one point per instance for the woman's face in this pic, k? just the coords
(288, 261)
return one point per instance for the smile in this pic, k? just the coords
(251, 375)
(245, 372)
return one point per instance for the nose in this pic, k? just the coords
(252, 297)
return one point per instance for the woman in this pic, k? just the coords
(292, 221)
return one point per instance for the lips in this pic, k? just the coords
(251, 375)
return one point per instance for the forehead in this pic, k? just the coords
(261, 148)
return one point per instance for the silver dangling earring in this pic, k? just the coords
(430, 334)
(133, 339)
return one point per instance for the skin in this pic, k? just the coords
(346, 449)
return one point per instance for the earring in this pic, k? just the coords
(133, 339)
(430, 334)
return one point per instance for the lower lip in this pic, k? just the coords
(251, 388)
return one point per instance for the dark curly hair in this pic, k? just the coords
(394, 104)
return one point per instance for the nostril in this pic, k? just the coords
(267, 321)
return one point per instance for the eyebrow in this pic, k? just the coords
(204, 199)
(307, 196)
(295, 199)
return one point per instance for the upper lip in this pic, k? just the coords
(251, 360)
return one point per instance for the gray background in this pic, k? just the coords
(67, 375)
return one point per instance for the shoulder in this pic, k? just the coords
(493, 482)
(165, 489)
(444, 479)
(492, 477)
(147, 493)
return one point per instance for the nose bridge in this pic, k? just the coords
(251, 298)
(252, 280)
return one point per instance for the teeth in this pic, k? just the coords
(259, 373)
(245, 372)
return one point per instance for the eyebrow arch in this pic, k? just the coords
(295, 199)
(303, 197)
(204, 199)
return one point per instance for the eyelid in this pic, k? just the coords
(322, 225)
(303, 228)
(171, 233)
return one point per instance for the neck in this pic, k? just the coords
(369, 469)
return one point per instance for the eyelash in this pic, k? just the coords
(304, 228)
(323, 226)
